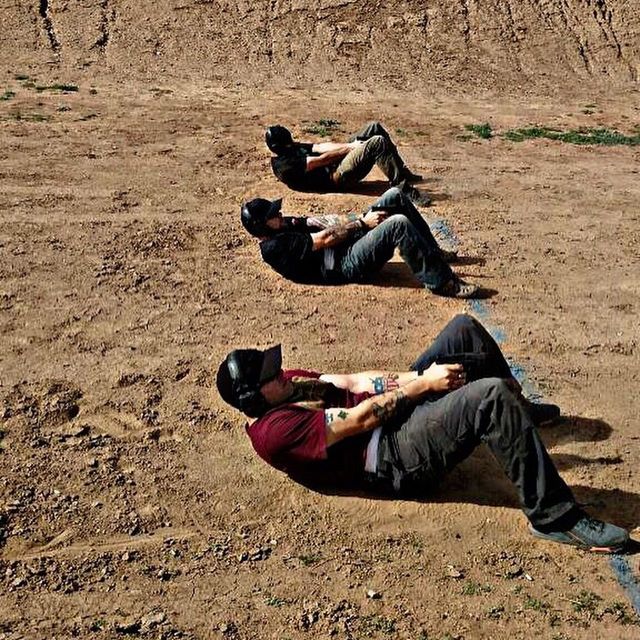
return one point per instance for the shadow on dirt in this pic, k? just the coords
(478, 480)
(398, 274)
(375, 188)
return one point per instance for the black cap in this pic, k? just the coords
(255, 213)
(241, 375)
(278, 138)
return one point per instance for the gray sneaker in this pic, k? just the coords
(589, 534)
(457, 288)
(418, 198)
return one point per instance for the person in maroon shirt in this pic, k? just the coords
(403, 431)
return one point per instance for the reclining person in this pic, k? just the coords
(338, 166)
(352, 249)
(403, 431)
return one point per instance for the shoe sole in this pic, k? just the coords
(579, 544)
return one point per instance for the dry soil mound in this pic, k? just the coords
(479, 41)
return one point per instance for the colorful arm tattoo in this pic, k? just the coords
(388, 382)
(330, 416)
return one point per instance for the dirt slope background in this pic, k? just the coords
(131, 504)
(481, 42)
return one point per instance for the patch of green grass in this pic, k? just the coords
(401, 132)
(322, 127)
(583, 136)
(64, 88)
(586, 602)
(483, 130)
(309, 559)
(374, 623)
(7, 95)
(275, 601)
(97, 625)
(535, 604)
(471, 588)
(622, 613)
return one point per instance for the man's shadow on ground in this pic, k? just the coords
(375, 188)
(398, 274)
(479, 480)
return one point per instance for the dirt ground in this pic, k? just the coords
(131, 502)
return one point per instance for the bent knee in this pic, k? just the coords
(391, 196)
(496, 387)
(398, 220)
(378, 143)
(463, 321)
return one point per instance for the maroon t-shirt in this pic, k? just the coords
(292, 438)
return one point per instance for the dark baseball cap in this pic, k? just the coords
(244, 371)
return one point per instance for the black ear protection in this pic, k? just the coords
(246, 382)
(255, 213)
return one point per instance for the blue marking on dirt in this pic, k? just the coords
(620, 565)
(443, 233)
(624, 573)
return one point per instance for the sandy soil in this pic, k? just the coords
(131, 503)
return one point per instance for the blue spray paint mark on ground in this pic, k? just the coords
(619, 565)
(624, 574)
(443, 233)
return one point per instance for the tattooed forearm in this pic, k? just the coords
(388, 382)
(340, 233)
(324, 222)
(391, 407)
(331, 220)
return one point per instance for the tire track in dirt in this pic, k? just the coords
(101, 545)
(44, 10)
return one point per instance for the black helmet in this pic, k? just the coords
(255, 213)
(242, 374)
(278, 138)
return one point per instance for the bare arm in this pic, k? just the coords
(381, 409)
(325, 147)
(328, 158)
(331, 220)
(337, 234)
(371, 381)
